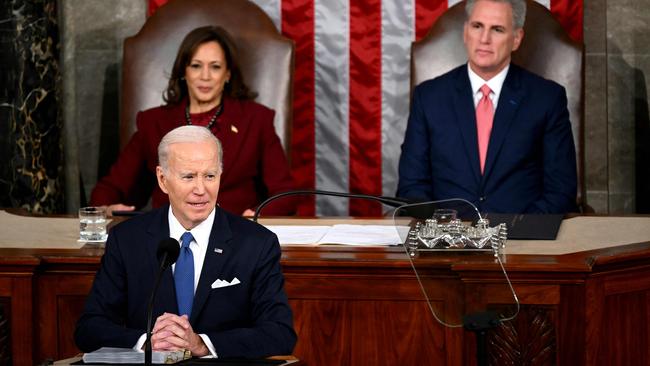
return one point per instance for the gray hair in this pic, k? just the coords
(518, 10)
(187, 134)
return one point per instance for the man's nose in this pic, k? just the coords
(199, 186)
(485, 36)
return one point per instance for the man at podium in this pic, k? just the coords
(223, 297)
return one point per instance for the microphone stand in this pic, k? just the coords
(147, 342)
(390, 201)
(480, 323)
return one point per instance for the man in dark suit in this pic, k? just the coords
(489, 131)
(223, 297)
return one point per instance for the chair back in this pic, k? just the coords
(265, 57)
(545, 50)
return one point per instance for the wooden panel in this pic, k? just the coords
(60, 298)
(396, 333)
(571, 328)
(5, 330)
(22, 321)
(627, 323)
(323, 328)
(628, 280)
(367, 285)
(594, 319)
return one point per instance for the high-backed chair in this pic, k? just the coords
(265, 56)
(546, 50)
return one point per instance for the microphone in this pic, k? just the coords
(167, 254)
(389, 201)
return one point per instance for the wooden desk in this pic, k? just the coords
(364, 306)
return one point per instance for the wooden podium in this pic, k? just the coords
(582, 303)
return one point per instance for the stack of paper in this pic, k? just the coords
(128, 355)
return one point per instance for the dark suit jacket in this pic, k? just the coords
(251, 319)
(254, 164)
(530, 165)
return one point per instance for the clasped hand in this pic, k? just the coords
(172, 332)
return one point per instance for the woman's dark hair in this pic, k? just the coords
(177, 87)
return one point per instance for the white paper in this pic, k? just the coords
(343, 234)
(383, 235)
(298, 234)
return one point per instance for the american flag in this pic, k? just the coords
(351, 89)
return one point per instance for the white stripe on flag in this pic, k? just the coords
(546, 3)
(332, 69)
(398, 32)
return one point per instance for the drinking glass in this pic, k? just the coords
(92, 224)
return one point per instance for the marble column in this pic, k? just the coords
(31, 173)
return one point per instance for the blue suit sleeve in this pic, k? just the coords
(414, 163)
(559, 158)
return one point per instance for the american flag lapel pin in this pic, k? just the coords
(218, 250)
(234, 129)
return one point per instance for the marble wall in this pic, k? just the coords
(93, 34)
(617, 137)
(31, 173)
(617, 131)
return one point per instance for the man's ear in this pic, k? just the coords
(162, 180)
(519, 36)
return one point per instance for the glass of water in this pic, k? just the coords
(92, 224)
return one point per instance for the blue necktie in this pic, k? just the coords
(184, 276)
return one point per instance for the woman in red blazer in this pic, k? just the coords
(206, 88)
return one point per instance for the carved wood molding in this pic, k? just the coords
(529, 339)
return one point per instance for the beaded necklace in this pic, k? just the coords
(217, 113)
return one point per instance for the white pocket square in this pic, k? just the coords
(221, 283)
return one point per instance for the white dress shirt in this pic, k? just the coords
(199, 247)
(495, 84)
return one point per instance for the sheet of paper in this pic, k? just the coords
(298, 234)
(364, 235)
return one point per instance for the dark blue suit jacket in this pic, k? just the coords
(251, 319)
(530, 165)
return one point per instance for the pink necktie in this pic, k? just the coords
(484, 118)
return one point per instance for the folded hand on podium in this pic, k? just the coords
(172, 332)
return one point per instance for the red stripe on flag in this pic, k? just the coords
(365, 104)
(298, 24)
(570, 14)
(426, 14)
(154, 5)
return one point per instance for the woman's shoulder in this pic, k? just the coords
(157, 116)
(248, 106)
(162, 110)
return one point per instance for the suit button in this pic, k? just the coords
(482, 199)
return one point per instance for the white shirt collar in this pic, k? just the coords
(495, 84)
(201, 232)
